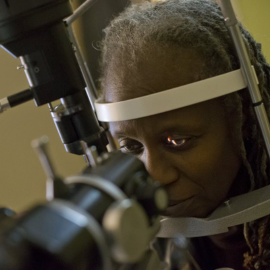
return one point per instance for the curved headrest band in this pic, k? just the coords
(171, 99)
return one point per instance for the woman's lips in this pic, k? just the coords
(178, 207)
(175, 202)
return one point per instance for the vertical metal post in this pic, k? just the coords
(247, 70)
(90, 89)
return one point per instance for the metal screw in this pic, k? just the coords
(74, 48)
(20, 67)
(105, 156)
(227, 203)
(36, 69)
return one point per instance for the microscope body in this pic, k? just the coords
(35, 32)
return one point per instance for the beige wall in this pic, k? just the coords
(22, 181)
(254, 14)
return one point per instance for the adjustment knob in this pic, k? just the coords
(126, 225)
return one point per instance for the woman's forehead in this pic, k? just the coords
(192, 119)
(155, 73)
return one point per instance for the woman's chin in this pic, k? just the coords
(188, 208)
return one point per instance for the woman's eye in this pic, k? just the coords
(132, 147)
(176, 141)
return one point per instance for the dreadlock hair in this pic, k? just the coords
(198, 25)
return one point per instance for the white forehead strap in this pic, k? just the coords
(171, 99)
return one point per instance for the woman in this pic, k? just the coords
(204, 153)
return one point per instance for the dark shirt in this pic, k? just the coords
(223, 250)
(209, 253)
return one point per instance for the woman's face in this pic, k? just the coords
(188, 150)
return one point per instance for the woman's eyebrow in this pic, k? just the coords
(119, 134)
(124, 128)
(126, 133)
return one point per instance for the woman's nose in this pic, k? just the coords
(160, 168)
